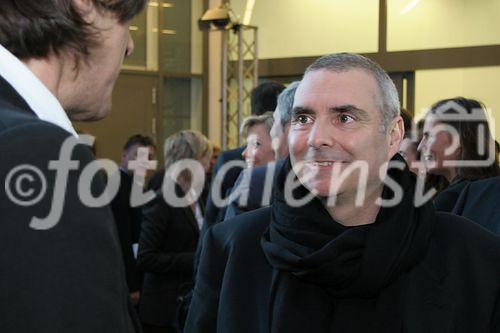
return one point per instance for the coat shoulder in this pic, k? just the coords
(461, 242)
(244, 229)
(454, 228)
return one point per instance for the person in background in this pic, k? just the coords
(464, 121)
(213, 160)
(263, 99)
(62, 269)
(408, 148)
(255, 188)
(169, 235)
(128, 218)
(208, 179)
(256, 131)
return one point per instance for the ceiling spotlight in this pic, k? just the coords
(220, 18)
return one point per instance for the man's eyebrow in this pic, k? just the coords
(301, 110)
(351, 109)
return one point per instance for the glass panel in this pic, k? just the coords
(430, 24)
(144, 32)
(480, 83)
(138, 32)
(181, 40)
(310, 28)
(182, 106)
(196, 37)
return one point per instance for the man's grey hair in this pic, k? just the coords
(388, 99)
(285, 102)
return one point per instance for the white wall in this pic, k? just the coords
(482, 83)
(442, 24)
(293, 28)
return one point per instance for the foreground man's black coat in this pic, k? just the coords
(69, 278)
(284, 269)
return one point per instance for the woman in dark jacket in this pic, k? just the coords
(457, 144)
(170, 232)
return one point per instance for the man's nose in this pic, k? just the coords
(321, 135)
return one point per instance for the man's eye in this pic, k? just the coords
(302, 119)
(344, 118)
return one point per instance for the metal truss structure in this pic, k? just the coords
(239, 77)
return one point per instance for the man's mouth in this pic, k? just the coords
(324, 163)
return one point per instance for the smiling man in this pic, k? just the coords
(309, 263)
(62, 269)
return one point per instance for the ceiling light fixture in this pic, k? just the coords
(409, 7)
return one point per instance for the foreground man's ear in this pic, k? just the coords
(396, 135)
(86, 9)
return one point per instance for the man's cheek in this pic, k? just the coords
(296, 145)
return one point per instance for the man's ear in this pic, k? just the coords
(86, 9)
(396, 135)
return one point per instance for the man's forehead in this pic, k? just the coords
(326, 76)
(351, 87)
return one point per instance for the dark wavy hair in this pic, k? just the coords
(264, 97)
(470, 135)
(139, 139)
(34, 28)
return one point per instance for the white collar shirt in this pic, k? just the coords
(33, 91)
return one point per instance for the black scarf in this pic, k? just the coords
(322, 269)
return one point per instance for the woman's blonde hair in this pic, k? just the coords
(266, 119)
(186, 144)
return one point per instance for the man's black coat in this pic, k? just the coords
(475, 200)
(255, 191)
(455, 288)
(69, 278)
(128, 220)
(167, 245)
(214, 214)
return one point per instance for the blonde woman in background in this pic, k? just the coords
(256, 130)
(169, 236)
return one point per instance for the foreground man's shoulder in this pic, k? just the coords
(246, 227)
(450, 226)
(457, 236)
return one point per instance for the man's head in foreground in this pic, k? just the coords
(75, 47)
(346, 109)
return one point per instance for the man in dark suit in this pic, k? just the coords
(128, 218)
(264, 98)
(475, 200)
(62, 269)
(253, 187)
(330, 255)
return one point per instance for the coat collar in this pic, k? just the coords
(188, 211)
(10, 95)
(35, 94)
